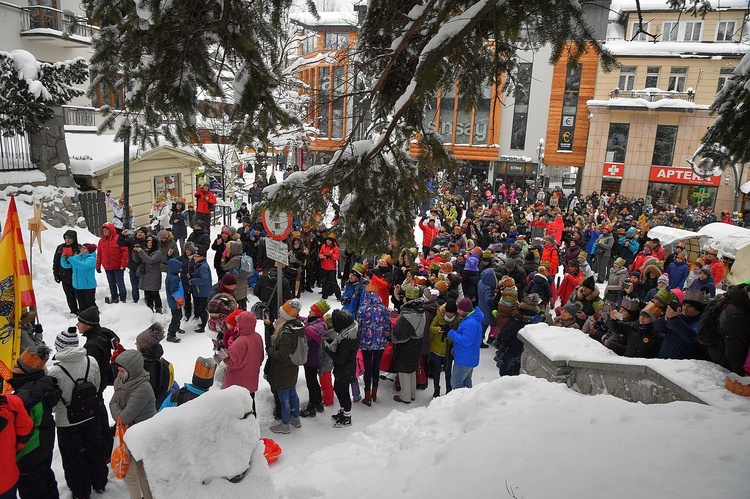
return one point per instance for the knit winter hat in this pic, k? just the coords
(221, 304)
(486, 255)
(290, 309)
(441, 286)
(232, 317)
(620, 261)
(341, 319)
(636, 273)
(507, 282)
(320, 308)
(705, 270)
(163, 234)
(665, 296)
(650, 313)
(229, 279)
(589, 283)
(451, 307)
(679, 256)
(412, 292)
(464, 304)
(150, 337)
(189, 246)
(90, 316)
(664, 278)
(358, 269)
(203, 373)
(66, 339)
(32, 359)
(90, 247)
(573, 308)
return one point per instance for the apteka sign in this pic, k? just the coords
(672, 175)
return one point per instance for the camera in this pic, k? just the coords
(674, 305)
(136, 246)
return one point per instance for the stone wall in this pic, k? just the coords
(631, 382)
(49, 152)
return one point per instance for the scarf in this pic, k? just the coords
(348, 333)
(123, 389)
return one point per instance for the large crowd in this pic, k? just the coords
(491, 260)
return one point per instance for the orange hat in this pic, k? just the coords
(477, 251)
(441, 286)
(446, 268)
(290, 309)
(32, 359)
(420, 280)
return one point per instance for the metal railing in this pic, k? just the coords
(14, 153)
(79, 116)
(651, 96)
(65, 22)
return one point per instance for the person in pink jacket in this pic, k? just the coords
(244, 356)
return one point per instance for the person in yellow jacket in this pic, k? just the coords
(446, 318)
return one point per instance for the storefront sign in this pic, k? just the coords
(567, 128)
(613, 170)
(672, 175)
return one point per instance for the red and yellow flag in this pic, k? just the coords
(16, 291)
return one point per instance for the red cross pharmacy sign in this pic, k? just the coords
(613, 170)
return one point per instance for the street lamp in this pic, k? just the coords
(715, 161)
(540, 157)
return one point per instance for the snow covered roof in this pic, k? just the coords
(327, 19)
(673, 104)
(675, 49)
(618, 6)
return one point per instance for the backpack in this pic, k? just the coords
(84, 399)
(246, 265)
(708, 324)
(299, 356)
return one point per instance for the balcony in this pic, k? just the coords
(61, 28)
(79, 119)
(652, 95)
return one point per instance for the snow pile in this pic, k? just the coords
(194, 449)
(525, 437)
(27, 69)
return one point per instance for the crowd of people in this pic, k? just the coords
(490, 261)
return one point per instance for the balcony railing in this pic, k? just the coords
(81, 117)
(651, 96)
(63, 24)
(15, 153)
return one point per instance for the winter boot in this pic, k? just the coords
(374, 394)
(310, 412)
(200, 329)
(295, 422)
(159, 310)
(338, 415)
(343, 421)
(172, 337)
(281, 428)
(436, 393)
(368, 398)
(319, 407)
(399, 399)
(181, 331)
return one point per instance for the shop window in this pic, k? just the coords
(652, 77)
(482, 117)
(692, 31)
(725, 31)
(642, 36)
(333, 41)
(521, 106)
(627, 78)
(664, 143)
(446, 116)
(324, 99)
(617, 142)
(167, 186)
(724, 75)
(669, 31)
(677, 79)
(679, 194)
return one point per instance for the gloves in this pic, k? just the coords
(73, 330)
(345, 301)
(99, 270)
(221, 354)
(58, 281)
(38, 329)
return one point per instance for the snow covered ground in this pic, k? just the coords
(510, 437)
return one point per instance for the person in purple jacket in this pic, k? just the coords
(315, 328)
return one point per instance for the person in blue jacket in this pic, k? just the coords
(467, 340)
(352, 295)
(486, 297)
(200, 287)
(84, 278)
(175, 298)
(678, 271)
(203, 378)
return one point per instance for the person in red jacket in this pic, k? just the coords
(205, 200)
(16, 428)
(328, 255)
(717, 268)
(429, 233)
(550, 259)
(114, 259)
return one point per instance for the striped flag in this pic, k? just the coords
(16, 291)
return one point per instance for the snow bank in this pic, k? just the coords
(537, 439)
(192, 450)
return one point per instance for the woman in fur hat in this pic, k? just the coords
(149, 268)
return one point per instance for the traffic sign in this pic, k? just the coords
(278, 226)
(277, 251)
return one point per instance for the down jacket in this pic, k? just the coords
(315, 328)
(73, 359)
(245, 355)
(282, 373)
(109, 254)
(467, 339)
(133, 400)
(83, 269)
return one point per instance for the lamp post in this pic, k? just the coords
(715, 161)
(540, 157)
(126, 176)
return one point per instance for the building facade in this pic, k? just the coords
(646, 120)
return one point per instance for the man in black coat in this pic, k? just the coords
(130, 242)
(512, 269)
(65, 276)
(266, 291)
(200, 237)
(735, 335)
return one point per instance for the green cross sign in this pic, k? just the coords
(701, 195)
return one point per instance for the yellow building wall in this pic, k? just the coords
(710, 22)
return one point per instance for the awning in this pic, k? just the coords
(745, 188)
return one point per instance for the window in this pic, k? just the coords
(669, 31)
(336, 40)
(309, 43)
(113, 99)
(482, 117)
(627, 78)
(693, 31)
(666, 138)
(337, 119)
(167, 186)
(521, 107)
(446, 116)
(617, 143)
(677, 80)
(724, 75)
(652, 77)
(725, 31)
(324, 98)
(642, 36)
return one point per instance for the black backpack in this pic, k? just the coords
(708, 325)
(84, 399)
